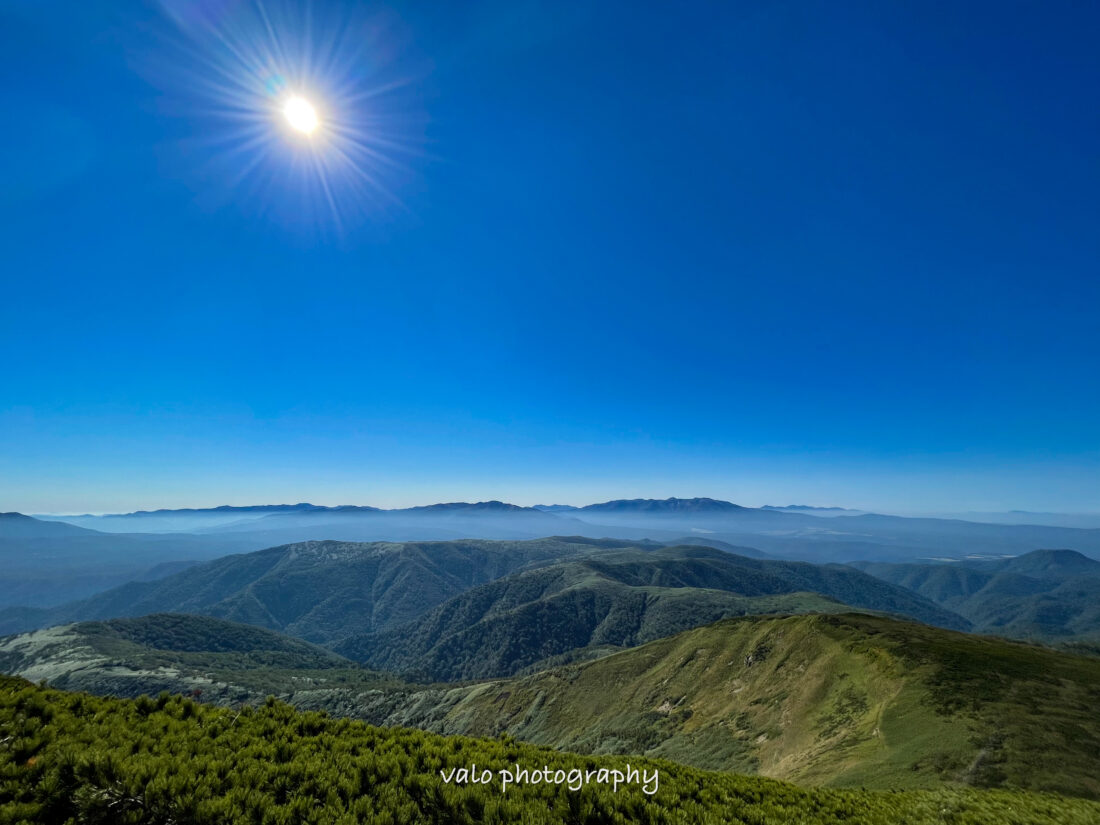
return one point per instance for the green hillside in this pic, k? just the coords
(1051, 595)
(618, 598)
(68, 758)
(322, 591)
(841, 700)
(223, 661)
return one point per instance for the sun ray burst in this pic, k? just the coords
(305, 106)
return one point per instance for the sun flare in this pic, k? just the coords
(301, 115)
(309, 115)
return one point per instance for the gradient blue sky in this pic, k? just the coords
(825, 253)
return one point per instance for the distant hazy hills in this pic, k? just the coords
(1047, 594)
(48, 562)
(188, 519)
(1085, 520)
(616, 598)
(19, 526)
(263, 517)
(793, 531)
(670, 505)
(807, 508)
(44, 563)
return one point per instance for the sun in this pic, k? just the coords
(309, 116)
(301, 115)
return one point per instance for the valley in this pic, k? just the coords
(703, 651)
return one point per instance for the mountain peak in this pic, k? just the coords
(807, 508)
(465, 506)
(1055, 562)
(19, 525)
(668, 505)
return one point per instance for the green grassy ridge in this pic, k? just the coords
(225, 661)
(619, 598)
(68, 758)
(840, 700)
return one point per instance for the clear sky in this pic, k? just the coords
(796, 252)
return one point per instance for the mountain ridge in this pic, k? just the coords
(840, 700)
(321, 589)
(617, 598)
(668, 505)
(834, 699)
(1045, 594)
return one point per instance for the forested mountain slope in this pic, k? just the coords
(1046, 594)
(321, 591)
(616, 598)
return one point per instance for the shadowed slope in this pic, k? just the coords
(616, 598)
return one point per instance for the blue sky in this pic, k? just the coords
(824, 253)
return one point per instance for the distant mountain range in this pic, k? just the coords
(806, 508)
(668, 505)
(19, 526)
(226, 514)
(47, 562)
(788, 525)
(224, 508)
(1082, 520)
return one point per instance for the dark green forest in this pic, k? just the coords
(1045, 595)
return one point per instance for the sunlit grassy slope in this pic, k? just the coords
(836, 700)
(71, 758)
(841, 700)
